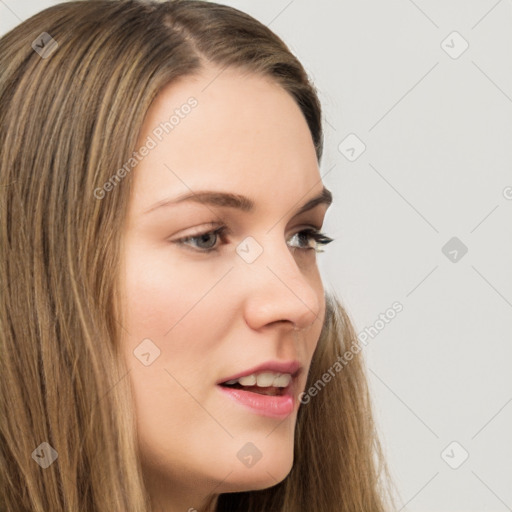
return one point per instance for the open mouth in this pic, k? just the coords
(261, 383)
(267, 391)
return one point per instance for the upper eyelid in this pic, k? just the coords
(207, 228)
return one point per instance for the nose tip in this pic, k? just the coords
(303, 294)
(284, 298)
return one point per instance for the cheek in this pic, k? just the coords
(151, 293)
(160, 292)
(175, 304)
(169, 315)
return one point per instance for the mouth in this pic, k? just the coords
(264, 383)
(269, 394)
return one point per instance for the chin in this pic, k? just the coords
(260, 476)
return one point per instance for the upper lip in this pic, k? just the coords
(291, 367)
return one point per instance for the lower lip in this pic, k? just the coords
(265, 405)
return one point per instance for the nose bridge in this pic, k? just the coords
(277, 288)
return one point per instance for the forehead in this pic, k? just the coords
(245, 133)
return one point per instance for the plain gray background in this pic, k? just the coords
(435, 119)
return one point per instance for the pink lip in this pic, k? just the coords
(265, 405)
(291, 367)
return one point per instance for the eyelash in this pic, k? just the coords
(312, 233)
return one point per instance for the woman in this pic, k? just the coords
(164, 352)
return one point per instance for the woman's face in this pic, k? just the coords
(203, 309)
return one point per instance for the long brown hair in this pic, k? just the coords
(76, 81)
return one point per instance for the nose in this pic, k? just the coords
(279, 290)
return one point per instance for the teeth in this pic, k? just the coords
(248, 380)
(283, 380)
(264, 380)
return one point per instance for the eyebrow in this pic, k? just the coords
(237, 201)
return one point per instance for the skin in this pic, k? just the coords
(213, 314)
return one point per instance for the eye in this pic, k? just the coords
(312, 235)
(206, 241)
(203, 242)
